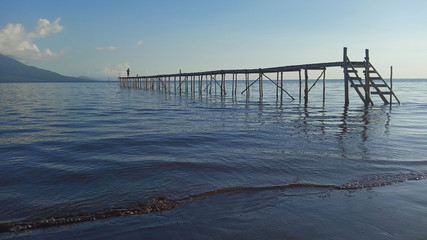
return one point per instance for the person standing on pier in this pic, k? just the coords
(128, 71)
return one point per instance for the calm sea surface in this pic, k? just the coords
(277, 171)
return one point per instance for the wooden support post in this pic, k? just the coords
(260, 85)
(215, 83)
(220, 85)
(191, 85)
(224, 84)
(306, 86)
(180, 83)
(223, 92)
(299, 73)
(186, 84)
(207, 84)
(281, 86)
(277, 87)
(200, 84)
(211, 81)
(235, 87)
(194, 85)
(232, 85)
(367, 79)
(324, 86)
(391, 85)
(346, 80)
(248, 92)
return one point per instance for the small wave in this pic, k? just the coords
(156, 205)
(381, 180)
(257, 189)
(163, 203)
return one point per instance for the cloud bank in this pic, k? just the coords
(17, 42)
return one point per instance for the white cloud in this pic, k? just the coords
(17, 42)
(139, 43)
(44, 28)
(110, 48)
(119, 69)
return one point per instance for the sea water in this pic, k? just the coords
(249, 168)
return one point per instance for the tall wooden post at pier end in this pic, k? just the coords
(367, 80)
(345, 59)
(365, 85)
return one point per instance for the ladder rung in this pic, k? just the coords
(375, 78)
(352, 71)
(370, 71)
(355, 78)
(357, 85)
(379, 85)
(381, 93)
(357, 65)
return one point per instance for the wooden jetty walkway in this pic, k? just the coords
(359, 75)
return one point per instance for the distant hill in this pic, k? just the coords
(13, 71)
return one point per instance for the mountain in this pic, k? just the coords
(13, 71)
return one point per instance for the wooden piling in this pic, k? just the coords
(367, 79)
(260, 85)
(277, 89)
(346, 80)
(247, 84)
(306, 87)
(324, 86)
(391, 85)
(180, 83)
(299, 73)
(281, 86)
(235, 86)
(186, 84)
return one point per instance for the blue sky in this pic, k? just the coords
(101, 38)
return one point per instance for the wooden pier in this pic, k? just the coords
(359, 75)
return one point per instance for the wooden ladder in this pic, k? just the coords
(356, 81)
(378, 86)
(373, 83)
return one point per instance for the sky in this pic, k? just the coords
(101, 39)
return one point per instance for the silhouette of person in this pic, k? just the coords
(128, 71)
